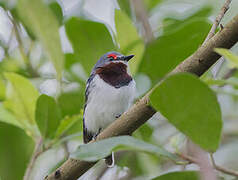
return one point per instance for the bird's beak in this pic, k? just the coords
(127, 58)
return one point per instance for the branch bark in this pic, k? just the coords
(140, 112)
(142, 16)
(218, 19)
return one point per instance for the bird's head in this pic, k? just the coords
(112, 57)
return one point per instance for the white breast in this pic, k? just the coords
(105, 103)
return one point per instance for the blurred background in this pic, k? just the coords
(161, 34)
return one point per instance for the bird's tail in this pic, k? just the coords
(109, 160)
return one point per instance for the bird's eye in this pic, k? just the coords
(112, 56)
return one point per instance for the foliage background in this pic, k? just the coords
(35, 60)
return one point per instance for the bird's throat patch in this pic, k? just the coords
(115, 74)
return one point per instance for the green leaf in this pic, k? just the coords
(192, 107)
(42, 22)
(15, 152)
(21, 98)
(180, 175)
(125, 6)
(71, 102)
(90, 40)
(2, 89)
(222, 82)
(232, 58)
(151, 4)
(56, 9)
(100, 149)
(47, 116)
(172, 24)
(68, 123)
(144, 132)
(165, 53)
(8, 117)
(129, 39)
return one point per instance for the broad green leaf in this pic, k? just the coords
(2, 89)
(165, 53)
(100, 149)
(15, 152)
(67, 124)
(8, 117)
(90, 40)
(21, 98)
(232, 58)
(43, 23)
(180, 175)
(192, 107)
(129, 39)
(47, 116)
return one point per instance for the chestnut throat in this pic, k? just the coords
(115, 74)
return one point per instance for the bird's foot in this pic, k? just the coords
(95, 135)
(119, 115)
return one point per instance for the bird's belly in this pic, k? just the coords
(106, 103)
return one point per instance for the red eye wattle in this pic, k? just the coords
(112, 56)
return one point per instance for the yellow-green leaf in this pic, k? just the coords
(44, 25)
(129, 39)
(232, 58)
(21, 98)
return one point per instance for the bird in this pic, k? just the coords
(110, 91)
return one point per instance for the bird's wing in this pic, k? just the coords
(87, 136)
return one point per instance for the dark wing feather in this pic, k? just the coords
(87, 136)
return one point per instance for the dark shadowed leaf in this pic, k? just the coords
(165, 53)
(90, 152)
(90, 40)
(42, 22)
(47, 116)
(180, 175)
(192, 107)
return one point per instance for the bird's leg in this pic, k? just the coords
(95, 135)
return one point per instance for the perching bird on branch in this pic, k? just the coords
(109, 92)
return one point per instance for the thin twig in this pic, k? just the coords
(218, 168)
(142, 16)
(35, 155)
(222, 169)
(218, 19)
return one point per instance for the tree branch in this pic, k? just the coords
(218, 168)
(35, 155)
(142, 16)
(140, 112)
(218, 19)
